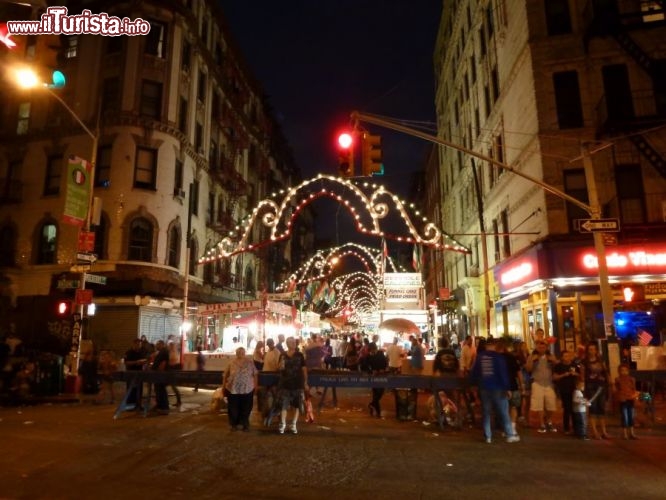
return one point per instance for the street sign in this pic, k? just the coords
(599, 225)
(62, 284)
(86, 257)
(79, 268)
(95, 278)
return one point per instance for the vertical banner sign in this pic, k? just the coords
(77, 196)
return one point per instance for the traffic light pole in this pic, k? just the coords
(593, 209)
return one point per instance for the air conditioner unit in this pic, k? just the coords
(179, 192)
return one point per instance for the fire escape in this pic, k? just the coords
(618, 19)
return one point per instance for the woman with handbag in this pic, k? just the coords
(239, 382)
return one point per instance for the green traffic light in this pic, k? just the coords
(59, 80)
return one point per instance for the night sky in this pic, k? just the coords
(318, 60)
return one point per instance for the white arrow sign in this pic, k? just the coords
(599, 225)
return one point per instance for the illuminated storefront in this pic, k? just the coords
(554, 286)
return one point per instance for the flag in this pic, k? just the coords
(417, 258)
(644, 338)
(321, 291)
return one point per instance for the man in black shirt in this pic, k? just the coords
(135, 358)
(565, 376)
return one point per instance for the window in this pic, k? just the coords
(195, 197)
(111, 94)
(186, 56)
(71, 46)
(558, 19)
(140, 240)
(209, 272)
(178, 178)
(213, 156)
(23, 122)
(210, 216)
(173, 258)
(53, 174)
(145, 169)
(101, 230)
(156, 39)
(567, 100)
(490, 23)
(47, 243)
(151, 99)
(496, 240)
(630, 193)
(8, 238)
(103, 167)
(486, 99)
(506, 237)
(216, 111)
(182, 115)
(201, 87)
(482, 42)
(194, 250)
(198, 138)
(575, 186)
(494, 79)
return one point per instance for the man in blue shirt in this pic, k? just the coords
(491, 375)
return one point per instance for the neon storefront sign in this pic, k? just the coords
(516, 274)
(629, 260)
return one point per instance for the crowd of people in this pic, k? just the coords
(513, 383)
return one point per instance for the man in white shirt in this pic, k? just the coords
(394, 353)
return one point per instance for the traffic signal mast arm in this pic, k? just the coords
(376, 120)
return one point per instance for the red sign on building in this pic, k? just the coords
(84, 297)
(86, 241)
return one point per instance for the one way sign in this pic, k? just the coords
(598, 225)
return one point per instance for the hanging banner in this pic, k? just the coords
(77, 195)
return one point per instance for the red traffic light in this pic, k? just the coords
(64, 307)
(345, 140)
(5, 37)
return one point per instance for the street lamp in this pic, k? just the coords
(27, 78)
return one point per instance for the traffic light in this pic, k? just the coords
(371, 155)
(345, 155)
(64, 307)
(633, 293)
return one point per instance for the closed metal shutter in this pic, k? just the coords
(157, 323)
(114, 328)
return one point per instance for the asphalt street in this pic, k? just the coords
(63, 450)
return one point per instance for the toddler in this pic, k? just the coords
(626, 394)
(580, 405)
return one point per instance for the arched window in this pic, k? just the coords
(173, 258)
(47, 243)
(140, 240)
(7, 246)
(194, 251)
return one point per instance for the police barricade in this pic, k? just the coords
(135, 395)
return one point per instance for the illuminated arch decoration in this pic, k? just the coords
(354, 288)
(279, 215)
(315, 267)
